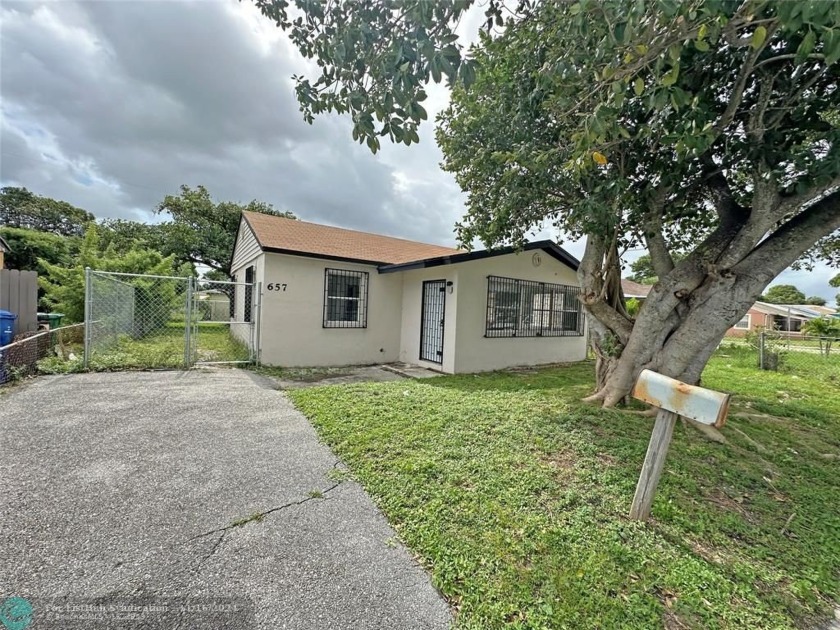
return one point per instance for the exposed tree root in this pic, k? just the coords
(709, 432)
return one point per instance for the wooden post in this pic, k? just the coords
(673, 399)
(660, 440)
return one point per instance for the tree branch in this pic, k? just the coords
(591, 276)
(784, 246)
(728, 210)
(744, 73)
(660, 255)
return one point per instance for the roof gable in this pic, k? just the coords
(291, 236)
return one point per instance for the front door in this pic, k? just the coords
(431, 320)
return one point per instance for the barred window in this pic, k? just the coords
(249, 293)
(345, 298)
(524, 308)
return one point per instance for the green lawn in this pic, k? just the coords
(514, 495)
(164, 349)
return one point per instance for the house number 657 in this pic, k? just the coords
(275, 286)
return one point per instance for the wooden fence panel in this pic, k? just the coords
(19, 294)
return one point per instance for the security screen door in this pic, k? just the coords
(431, 321)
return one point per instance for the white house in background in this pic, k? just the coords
(330, 296)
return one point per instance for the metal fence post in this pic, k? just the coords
(188, 325)
(761, 350)
(255, 332)
(88, 298)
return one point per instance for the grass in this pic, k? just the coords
(162, 350)
(514, 495)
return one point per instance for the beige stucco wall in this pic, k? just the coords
(412, 301)
(476, 353)
(291, 326)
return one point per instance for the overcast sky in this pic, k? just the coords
(113, 105)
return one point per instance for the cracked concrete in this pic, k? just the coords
(194, 484)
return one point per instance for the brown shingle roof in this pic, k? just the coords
(634, 289)
(292, 236)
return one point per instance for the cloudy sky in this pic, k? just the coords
(112, 105)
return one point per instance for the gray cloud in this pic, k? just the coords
(112, 105)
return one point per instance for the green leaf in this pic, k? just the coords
(639, 86)
(831, 43)
(671, 76)
(758, 37)
(805, 48)
(701, 44)
(575, 8)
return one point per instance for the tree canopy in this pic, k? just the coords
(64, 285)
(28, 247)
(21, 208)
(707, 126)
(202, 231)
(783, 294)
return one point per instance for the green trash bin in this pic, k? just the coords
(54, 321)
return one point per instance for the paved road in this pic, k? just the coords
(130, 488)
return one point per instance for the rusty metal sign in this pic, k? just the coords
(700, 404)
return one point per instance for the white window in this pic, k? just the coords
(744, 324)
(345, 298)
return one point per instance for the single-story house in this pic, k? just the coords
(633, 289)
(213, 305)
(782, 317)
(330, 296)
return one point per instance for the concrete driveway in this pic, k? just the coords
(189, 499)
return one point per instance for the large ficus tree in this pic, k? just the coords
(706, 127)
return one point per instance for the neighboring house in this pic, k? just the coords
(331, 296)
(213, 305)
(4, 249)
(633, 289)
(781, 317)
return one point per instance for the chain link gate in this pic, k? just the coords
(224, 328)
(148, 321)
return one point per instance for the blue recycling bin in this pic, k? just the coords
(7, 327)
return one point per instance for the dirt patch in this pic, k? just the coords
(562, 462)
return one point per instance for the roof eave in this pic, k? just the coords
(293, 252)
(550, 247)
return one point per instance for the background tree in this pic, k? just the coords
(642, 269)
(21, 208)
(125, 234)
(203, 231)
(816, 300)
(64, 286)
(30, 246)
(827, 329)
(835, 282)
(704, 126)
(783, 294)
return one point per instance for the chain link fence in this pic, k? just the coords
(33, 352)
(147, 321)
(136, 321)
(796, 353)
(221, 332)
